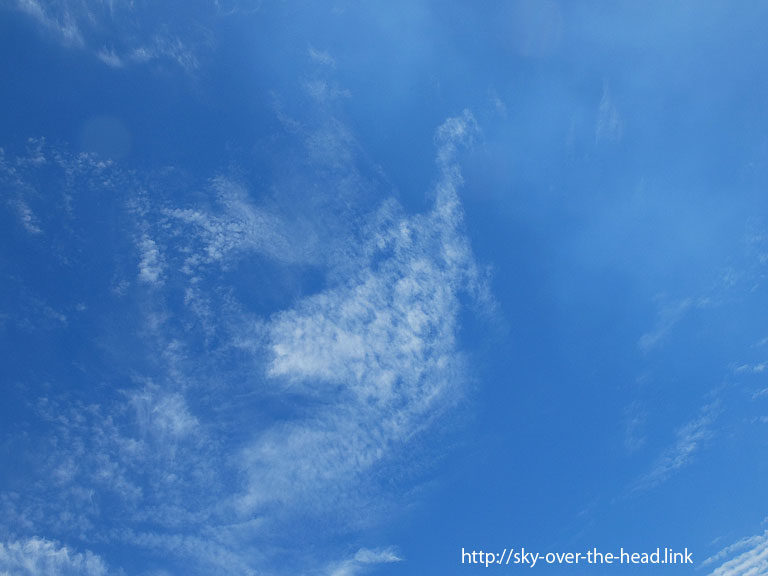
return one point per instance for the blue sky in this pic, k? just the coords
(341, 288)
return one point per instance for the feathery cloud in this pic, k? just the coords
(363, 559)
(747, 557)
(117, 33)
(41, 557)
(690, 439)
(379, 349)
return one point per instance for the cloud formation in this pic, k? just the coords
(367, 359)
(41, 557)
(110, 31)
(747, 557)
(690, 439)
(379, 349)
(363, 559)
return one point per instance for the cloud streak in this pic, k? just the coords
(669, 315)
(63, 24)
(41, 557)
(116, 32)
(747, 557)
(690, 439)
(362, 560)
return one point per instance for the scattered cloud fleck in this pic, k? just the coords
(27, 217)
(750, 368)
(635, 421)
(63, 24)
(110, 58)
(669, 315)
(110, 32)
(370, 351)
(150, 265)
(321, 57)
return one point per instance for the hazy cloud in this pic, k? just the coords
(381, 345)
(363, 559)
(41, 557)
(747, 557)
(608, 126)
(690, 439)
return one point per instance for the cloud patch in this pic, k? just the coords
(41, 557)
(747, 557)
(120, 32)
(175, 449)
(690, 439)
(378, 351)
(362, 560)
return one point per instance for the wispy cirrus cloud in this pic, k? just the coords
(690, 439)
(62, 22)
(747, 557)
(150, 264)
(176, 455)
(669, 315)
(609, 125)
(19, 192)
(321, 57)
(240, 226)
(119, 32)
(362, 560)
(379, 349)
(27, 218)
(40, 557)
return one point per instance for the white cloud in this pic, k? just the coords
(150, 264)
(214, 553)
(162, 414)
(110, 58)
(321, 57)
(371, 349)
(669, 315)
(131, 35)
(364, 558)
(237, 7)
(63, 24)
(41, 557)
(634, 422)
(242, 227)
(27, 217)
(690, 439)
(159, 48)
(747, 557)
(20, 191)
(750, 368)
(379, 348)
(324, 91)
(609, 125)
